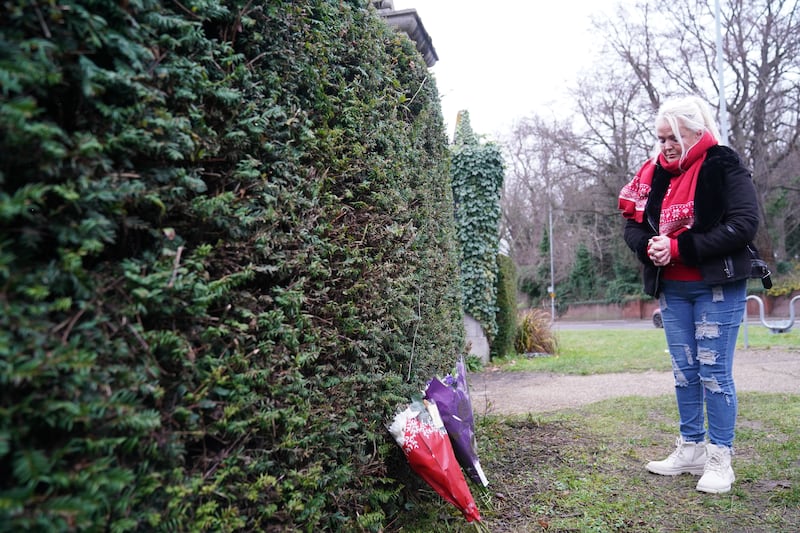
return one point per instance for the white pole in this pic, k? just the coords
(723, 108)
(552, 269)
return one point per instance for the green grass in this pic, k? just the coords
(627, 350)
(582, 469)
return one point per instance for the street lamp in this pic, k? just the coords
(723, 108)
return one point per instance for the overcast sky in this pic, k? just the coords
(502, 60)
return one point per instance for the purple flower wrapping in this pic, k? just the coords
(455, 407)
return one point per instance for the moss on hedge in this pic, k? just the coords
(226, 257)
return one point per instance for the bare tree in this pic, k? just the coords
(652, 52)
(534, 189)
(616, 131)
(670, 48)
(762, 46)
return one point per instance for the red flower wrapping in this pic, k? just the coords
(421, 435)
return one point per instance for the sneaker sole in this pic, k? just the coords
(710, 490)
(713, 490)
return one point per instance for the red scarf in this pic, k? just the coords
(677, 210)
(633, 196)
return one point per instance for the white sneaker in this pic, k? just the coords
(718, 474)
(688, 458)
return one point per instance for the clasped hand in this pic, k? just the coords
(658, 249)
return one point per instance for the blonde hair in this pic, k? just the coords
(689, 111)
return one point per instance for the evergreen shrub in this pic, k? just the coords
(506, 307)
(226, 257)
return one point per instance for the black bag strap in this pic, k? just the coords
(759, 267)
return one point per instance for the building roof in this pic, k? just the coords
(408, 21)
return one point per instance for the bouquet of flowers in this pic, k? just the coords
(455, 406)
(421, 434)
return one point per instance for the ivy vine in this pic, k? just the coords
(477, 178)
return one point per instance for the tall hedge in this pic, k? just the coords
(226, 257)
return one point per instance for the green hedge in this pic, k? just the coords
(506, 307)
(226, 257)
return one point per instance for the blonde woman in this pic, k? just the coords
(691, 213)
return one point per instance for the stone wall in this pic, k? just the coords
(635, 310)
(476, 339)
(774, 306)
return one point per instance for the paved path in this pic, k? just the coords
(507, 393)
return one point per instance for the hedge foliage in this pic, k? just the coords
(477, 174)
(226, 257)
(506, 317)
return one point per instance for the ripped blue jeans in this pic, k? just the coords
(701, 323)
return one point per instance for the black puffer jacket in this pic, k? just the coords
(726, 220)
